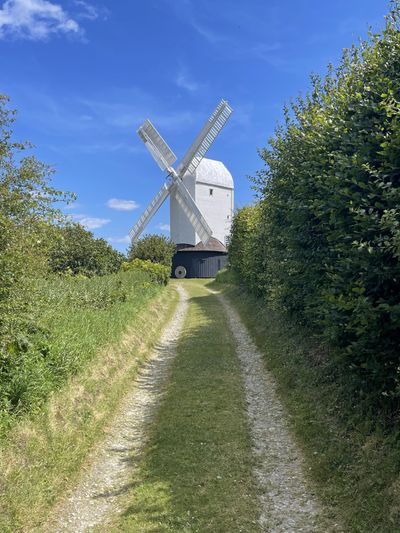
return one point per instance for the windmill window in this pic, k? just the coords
(211, 192)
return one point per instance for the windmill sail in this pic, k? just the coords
(151, 210)
(205, 139)
(156, 145)
(165, 158)
(192, 212)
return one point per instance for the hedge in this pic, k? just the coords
(323, 243)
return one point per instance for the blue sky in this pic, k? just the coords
(83, 75)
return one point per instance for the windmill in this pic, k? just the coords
(174, 186)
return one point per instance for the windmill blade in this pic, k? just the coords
(156, 145)
(192, 212)
(150, 211)
(205, 139)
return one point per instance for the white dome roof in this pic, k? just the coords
(214, 173)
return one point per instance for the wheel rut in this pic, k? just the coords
(287, 501)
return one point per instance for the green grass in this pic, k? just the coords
(72, 319)
(196, 475)
(355, 464)
(98, 333)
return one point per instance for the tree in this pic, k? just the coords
(77, 251)
(155, 248)
(27, 213)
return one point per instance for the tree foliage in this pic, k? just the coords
(155, 248)
(27, 211)
(327, 243)
(77, 251)
(242, 245)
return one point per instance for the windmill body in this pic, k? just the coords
(211, 187)
(201, 199)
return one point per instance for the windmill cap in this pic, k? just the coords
(213, 172)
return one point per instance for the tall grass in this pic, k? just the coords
(94, 336)
(73, 318)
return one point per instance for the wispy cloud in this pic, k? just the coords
(163, 227)
(209, 35)
(120, 240)
(184, 81)
(96, 123)
(35, 20)
(221, 31)
(91, 222)
(122, 205)
(119, 112)
(265, 50)
(90, 12)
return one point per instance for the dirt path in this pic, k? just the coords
(109, 472)
(287, 501)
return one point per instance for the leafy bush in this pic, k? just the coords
(77, 251)
(327, 244)
(243, 251)
(227, 276)
(155, 248)
(158, 273)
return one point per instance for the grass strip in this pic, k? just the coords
(354, 463)
(43, 454)
(196, 472)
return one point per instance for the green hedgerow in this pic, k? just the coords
(326, 245)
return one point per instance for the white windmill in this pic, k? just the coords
(187, 184)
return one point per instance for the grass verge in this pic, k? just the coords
(196, 472)
(40, 457)
(354, 463)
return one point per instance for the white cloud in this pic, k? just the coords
(120, 240)
(183, 80)
(122, 205)
(35, 20)
(163, 227)
(91, 222)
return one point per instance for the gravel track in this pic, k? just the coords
(287, 501)
(108, 476)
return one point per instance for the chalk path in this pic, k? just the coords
(287, 502)
(108, 477)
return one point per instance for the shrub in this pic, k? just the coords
(157, 272)
(155, 248)
(77, 251)
(227, 276)
(242, 248)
